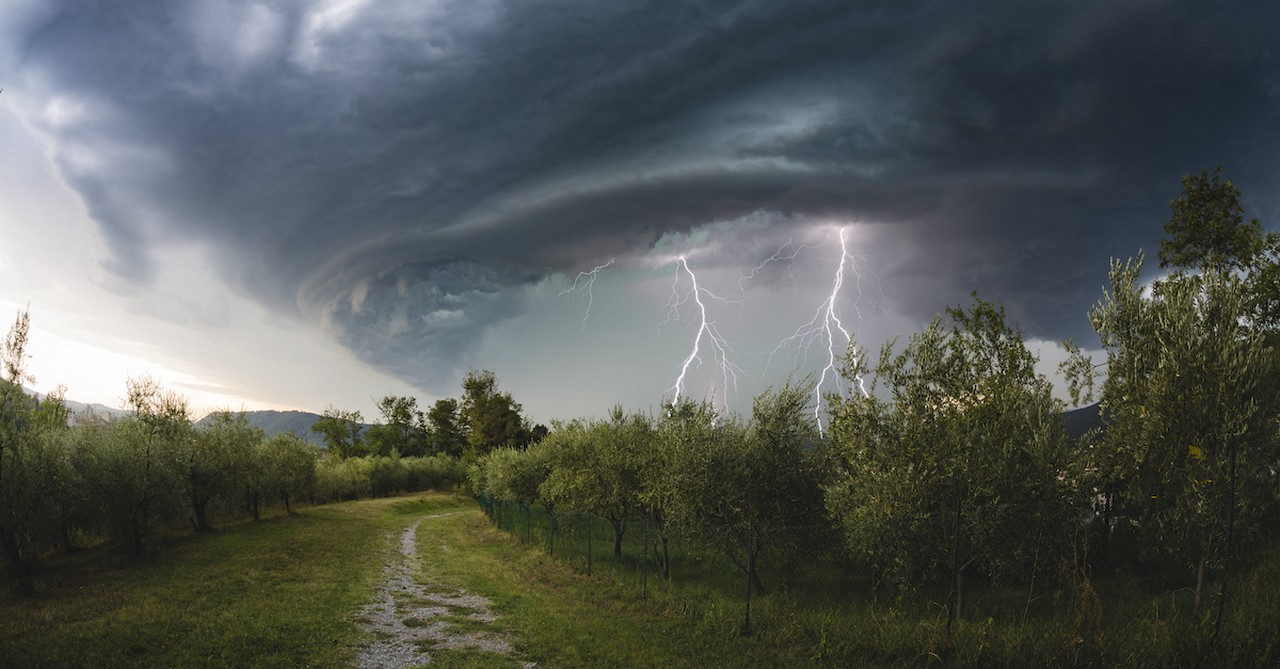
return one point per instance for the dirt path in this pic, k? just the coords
(407, 620)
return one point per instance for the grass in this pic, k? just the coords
(285, 592)
(1132, 618)
(280, 593)
(563, 618)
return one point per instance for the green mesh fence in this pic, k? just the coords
(805, 562)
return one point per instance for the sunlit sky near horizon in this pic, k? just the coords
(290, 204)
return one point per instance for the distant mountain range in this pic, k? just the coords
(274, 422)
(1078, 421)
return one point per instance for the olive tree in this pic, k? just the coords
(959, 466)
(289, 467)
(1190, 395)
(34, 470)
(742, 484)
(219, 464)
(595, 467)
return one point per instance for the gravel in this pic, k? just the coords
(406, 616)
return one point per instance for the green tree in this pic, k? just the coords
(745, 486)
(33, 468)
(218, 464)
(1190, 395)
(594, 468)
(1206, 230)
(402, 430)
(136, 474)
(289, 466)
(959, 469)
(342, 432)
(154, 444)
(492, 417)
(445, 429)
(515, 475)
(1190, 410)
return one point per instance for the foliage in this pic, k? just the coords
(433, 472)
(962, 467)
(1190, 397)
(288, 465)
(596, 467)
(339, 479)
(492, 417)
(1206, 229)
(744, 483)
(220, 460)
(1188, 393)
(32, 456)
(445, 430)
(342, 432)
(403, 430)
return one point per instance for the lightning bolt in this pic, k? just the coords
(825, 327)
(719, 347)
(826, 330)
(588, 281)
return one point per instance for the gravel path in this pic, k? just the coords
(406, 619)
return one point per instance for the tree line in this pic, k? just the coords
(954, 465)
(130, 480)
(484, 418)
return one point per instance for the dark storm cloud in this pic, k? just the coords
(398, 170)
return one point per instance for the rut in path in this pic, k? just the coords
(408, 619)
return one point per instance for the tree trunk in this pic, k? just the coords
(1201, 573)
(618, 529)
(201, 510)
(666, 558)
(21, 570)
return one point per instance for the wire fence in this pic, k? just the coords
(738, 562)
(811, 568)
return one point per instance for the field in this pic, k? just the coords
(285, 592)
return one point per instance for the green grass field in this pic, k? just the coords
(285, 592)
(279, 593)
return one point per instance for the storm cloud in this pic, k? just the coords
(401, 173)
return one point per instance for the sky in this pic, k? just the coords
(296, 204)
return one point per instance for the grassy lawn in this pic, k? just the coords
(563, 618)
(280, 593)
(284, 592)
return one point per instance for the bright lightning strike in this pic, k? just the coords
(588, 282)
(826, 330)
(719, 349)
(825, 327)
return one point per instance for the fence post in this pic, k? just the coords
(644, 561)
(751, 569)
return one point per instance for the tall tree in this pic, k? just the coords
(1190, 404)
(492, 417)
(1207, 230)
(1191, 387)
(18, 484)
(342, 432)
(958, 469)
(402, 430)
(445, 429)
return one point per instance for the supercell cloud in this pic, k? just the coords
(402, 173)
